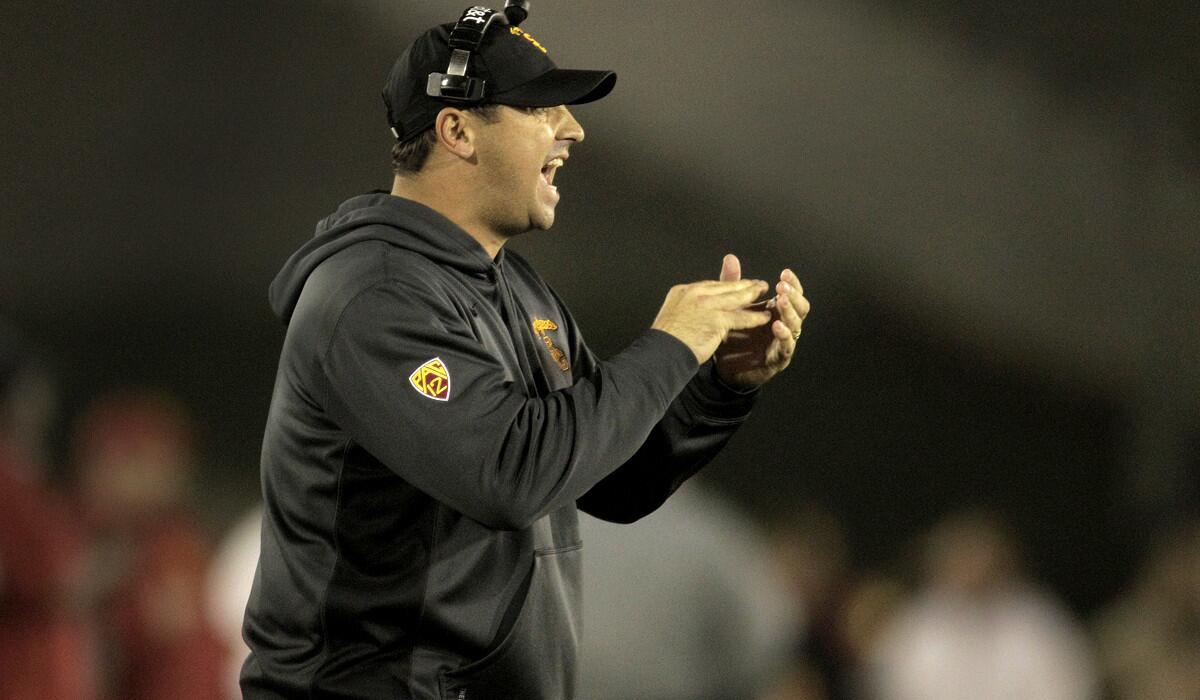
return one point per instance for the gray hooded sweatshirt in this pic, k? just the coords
(436, 422)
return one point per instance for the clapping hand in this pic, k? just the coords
(750, 357)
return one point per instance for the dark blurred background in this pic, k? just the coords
(994, 207)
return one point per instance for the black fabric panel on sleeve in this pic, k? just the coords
(696, 426)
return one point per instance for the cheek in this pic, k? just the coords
(511, 168)
(522, 178)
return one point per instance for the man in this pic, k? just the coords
(437, 417)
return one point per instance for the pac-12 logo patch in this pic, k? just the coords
(432, 379)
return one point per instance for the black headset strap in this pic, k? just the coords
(467, 36)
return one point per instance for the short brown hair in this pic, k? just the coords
(409, 156)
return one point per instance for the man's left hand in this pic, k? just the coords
(750, 358)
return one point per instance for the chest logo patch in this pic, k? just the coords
(432, 380)
(540, 326)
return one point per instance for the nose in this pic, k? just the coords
(568, 129)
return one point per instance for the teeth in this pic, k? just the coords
(556, 163)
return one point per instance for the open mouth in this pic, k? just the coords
(549, 169)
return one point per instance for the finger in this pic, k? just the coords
(779, 354)
(720, 286)
(782, 333)
(736, 297)
(731, 268)
(739, 319)
(788, 313)
(794, 295)
(790, 277)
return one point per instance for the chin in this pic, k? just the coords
(542, 221)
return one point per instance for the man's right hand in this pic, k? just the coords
(701, 314)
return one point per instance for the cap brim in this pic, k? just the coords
(560, 86)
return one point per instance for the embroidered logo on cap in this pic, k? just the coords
(516, 31)
(432, 379)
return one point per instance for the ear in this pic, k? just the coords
(455, 132)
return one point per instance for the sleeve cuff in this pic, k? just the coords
(717, 399)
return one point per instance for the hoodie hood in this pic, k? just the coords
(378, 216)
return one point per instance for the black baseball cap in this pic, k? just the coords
(516, 68)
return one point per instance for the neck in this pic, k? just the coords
(450, 197)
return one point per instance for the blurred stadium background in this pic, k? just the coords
(993, 206)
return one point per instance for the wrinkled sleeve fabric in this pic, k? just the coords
(695, 427)
(487, 450)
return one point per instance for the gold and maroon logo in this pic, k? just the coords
(515, 31)
(540, 326)
(432, 380)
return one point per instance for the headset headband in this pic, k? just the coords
(467, 36)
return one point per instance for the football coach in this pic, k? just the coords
(437, 419)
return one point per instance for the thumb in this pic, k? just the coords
(731, 268)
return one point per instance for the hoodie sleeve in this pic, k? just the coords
(482, 446)
(695, 427)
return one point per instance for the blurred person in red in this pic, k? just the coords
(978, 628)
(1150, 637)
(45, 641)
(133, 454)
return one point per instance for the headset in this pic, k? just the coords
(467, 36)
